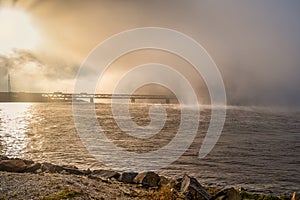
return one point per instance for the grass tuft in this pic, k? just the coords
(63, 194)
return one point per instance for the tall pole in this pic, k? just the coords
(8, 83)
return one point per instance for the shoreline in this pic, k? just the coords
(25, 179)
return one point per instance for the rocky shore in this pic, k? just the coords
(24, 179)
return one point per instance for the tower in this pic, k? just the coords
(8, 83)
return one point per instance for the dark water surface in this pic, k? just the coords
(259, 148)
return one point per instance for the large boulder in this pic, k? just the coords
(147, 179)
(13, 165)
(18, 165)
(193, 189)
(127, 177)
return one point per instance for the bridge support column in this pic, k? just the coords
(167, 101)
(132, 100)
(91, 99)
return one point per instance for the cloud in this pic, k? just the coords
(31, 71)
(255, 44)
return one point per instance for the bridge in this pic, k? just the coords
(68, 97)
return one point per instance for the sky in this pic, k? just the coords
(254, 43)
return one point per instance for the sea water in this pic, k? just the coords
(259, 148)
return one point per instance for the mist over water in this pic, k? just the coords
(254, 44)
(258, 148)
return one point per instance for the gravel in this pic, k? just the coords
(64, 186)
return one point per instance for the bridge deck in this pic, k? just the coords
(45, 97)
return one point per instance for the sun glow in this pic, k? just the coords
(16, 30)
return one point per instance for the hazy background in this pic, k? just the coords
(255, 44)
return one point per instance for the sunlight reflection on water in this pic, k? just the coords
(14, 122)
(258, 149)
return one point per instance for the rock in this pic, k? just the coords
(227, 194)
(108, 174)
(70, 166)
(193, 189)
(147, 179)
(28, 162)
(296, 196)
(33, 167)
(73, 171)
(127, 177)
(19, 165)
(48, 167)
(12, 165)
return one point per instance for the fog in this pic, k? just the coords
(255, 44)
